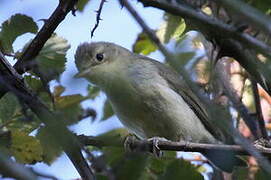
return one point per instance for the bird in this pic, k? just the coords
(150, 98)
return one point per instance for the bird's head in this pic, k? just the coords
(100, 61)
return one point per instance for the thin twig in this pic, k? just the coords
(146, 29)
(238, 105)
(258, 107)
(98, 17)
(252, 15)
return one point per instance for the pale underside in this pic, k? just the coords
(148, 107)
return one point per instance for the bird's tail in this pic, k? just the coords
(225, 160)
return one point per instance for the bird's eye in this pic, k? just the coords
(99, 57)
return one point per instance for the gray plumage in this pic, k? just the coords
(149, 98)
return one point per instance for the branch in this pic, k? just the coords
(98, 17)
(223, 33)
(43, 175)
(238, 105)
(214, 25)
(147, 146)
(12, 169)
(9, 168)
(25, 62)
(258, 106)
(249, 61)
(252, 15)
(233, 132)
(53, 122)
(63, 8)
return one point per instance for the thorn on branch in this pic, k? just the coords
(98, 17)
(43, 20)
(74, 9)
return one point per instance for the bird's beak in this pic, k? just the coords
(82, 74)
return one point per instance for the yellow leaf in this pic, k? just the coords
(25, 148)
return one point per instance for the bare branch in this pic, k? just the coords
(258, 106)
(226, 35)
(98, 17)
(238, 105)
(43, 175)
(252, 15)
(9, 168)
(145, 145)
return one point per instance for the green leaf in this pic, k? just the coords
(184, 58)
(15, 26)
(107, 110)
(34, 83)
(69, 105)
(244, 174)
(51, 59)
(262, 5)
(9, 105)
(37, 86)
(132, 166)
(125, 165)
(144, 45)
(81, 5)
(58, 90)
(180, 169)
(25, 148)
(11, 115)
(5, 142)
(262, 175)
(172, 28)
(51, 147)
(63, 102)
(101, 177)
(70, 111)
(241, 173)
(157, 166)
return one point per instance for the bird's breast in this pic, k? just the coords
(148, 107)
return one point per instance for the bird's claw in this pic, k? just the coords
(129, 145)
(155, 146)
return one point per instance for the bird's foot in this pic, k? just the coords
(155, 146)
(262, 143)
(132, 144)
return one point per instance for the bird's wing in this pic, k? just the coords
(179, 85)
